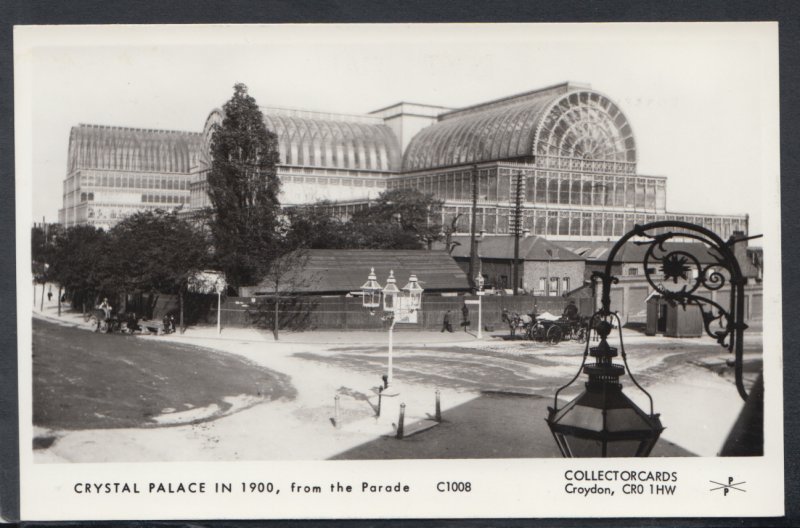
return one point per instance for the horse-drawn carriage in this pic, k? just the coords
(546, 328)
(105, 322)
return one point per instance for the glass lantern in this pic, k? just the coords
(390, 293)
(371, 291)
(602, 421)
(414, 293)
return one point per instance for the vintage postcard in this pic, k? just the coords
(399, 271)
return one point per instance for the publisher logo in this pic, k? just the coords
(726, 488)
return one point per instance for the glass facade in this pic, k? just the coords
(572, 148)
(542, 187)
(565, 223)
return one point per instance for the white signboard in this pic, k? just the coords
(404, 314)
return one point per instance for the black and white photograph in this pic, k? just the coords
(382, 269)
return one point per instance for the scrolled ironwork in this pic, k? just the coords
(681, 278)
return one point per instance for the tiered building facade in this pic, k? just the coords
(113, 172)
(572, 146)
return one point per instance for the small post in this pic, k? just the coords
(400, 421)
(438, 406)
(389, 374)
(336, 411)
(480, 317)
(219, 312)
(380, 401)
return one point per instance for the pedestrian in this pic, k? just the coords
(465, 315)
(50, 294)
(106, 307)
(446, 325)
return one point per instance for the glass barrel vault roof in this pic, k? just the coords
(132, 149)
(365, 144)
(563, 121)
(317, 139)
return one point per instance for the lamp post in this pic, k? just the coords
(479, 285)
(602, 421)
(397, 305)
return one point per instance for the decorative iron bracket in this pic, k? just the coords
(681, 278)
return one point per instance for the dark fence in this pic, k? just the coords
(346, 313)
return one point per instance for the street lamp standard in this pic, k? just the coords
(398, 305)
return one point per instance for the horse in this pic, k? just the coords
(515, 320)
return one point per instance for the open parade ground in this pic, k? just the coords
(243, 396)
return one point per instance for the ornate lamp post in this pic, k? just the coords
(604, 422)
(397, 304)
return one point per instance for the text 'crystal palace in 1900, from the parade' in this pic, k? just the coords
(573, 147)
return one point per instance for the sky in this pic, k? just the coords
(702, 98)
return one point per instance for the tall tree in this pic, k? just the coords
(243, 189)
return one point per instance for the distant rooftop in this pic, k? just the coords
(337, 271)
(502, 247)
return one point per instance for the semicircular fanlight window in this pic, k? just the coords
(586, 125)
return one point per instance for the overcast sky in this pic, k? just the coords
(702, 98)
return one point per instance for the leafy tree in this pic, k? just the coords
(155, 251)
(314, 226)
(285, 276)
(42, 247)
(399, 219)
(80, 262)
(243, 189)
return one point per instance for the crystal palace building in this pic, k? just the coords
(573, 147)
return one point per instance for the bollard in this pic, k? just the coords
(438, 406)
(400, 421)
(336, 412)
(380, 398)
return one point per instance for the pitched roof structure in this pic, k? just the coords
(338, 271)
(502, 247)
